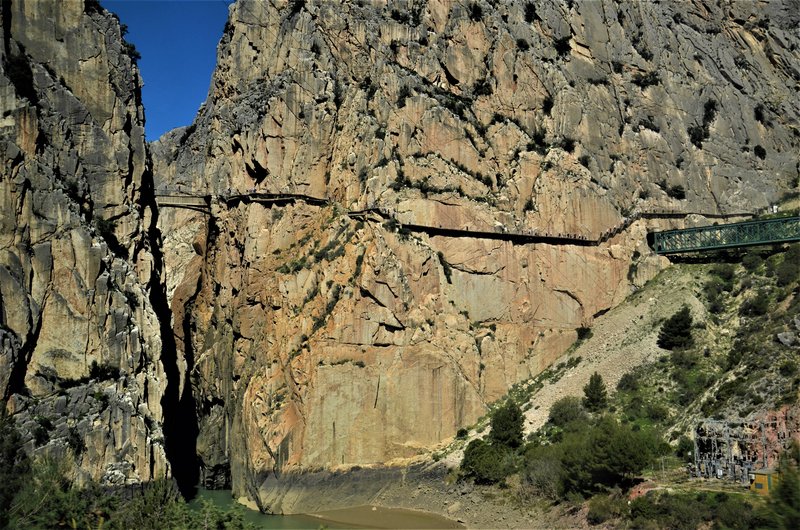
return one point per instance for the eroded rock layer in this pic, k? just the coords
(81, 367)
(318, 337)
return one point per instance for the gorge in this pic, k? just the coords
(349, 295)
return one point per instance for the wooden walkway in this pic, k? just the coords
(177, 198)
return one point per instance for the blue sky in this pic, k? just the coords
(178, 43)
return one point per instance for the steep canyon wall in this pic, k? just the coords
(315, 339)
(84, 369)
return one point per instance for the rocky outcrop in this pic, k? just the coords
(318, 340)
(81, 368)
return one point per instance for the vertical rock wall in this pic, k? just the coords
(80, 274)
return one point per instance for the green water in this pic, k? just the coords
(224, 500)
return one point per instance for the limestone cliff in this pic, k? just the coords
(319, 334)
(81, 365)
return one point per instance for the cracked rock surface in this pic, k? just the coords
(80, 341)
(317, 340)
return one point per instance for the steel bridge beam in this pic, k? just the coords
(749, 233)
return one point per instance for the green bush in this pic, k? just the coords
(629, 382)
(726, 273)
(42, 497)
(506, 425)
(784, 503)
(606, 455)
(486, 463)
(676, 332)
(787, 272)
(788, 368)
(597, 456)
(566, 411)
(755, 306)
(752, 262)
(543, 472)
(685, 449)
(14, 466)
(603, 508)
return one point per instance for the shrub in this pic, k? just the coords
(760, 152)
(530, 13)
(788, 368)
(595, 395)
(567, 144)
(685, 449)
(696, 135)
(603, 508)
(543, 472)
(758, 113)
(752, 261)
(709, 112)
(507, 425)
(646, 79)
(296, 6)
(584, 333)
(755, 306)
(787, 272)
(629, 382)
(562, 46)
(547, 106)
(566, 411)
(529, 206)
(106, 227)
(485, 463)
(727, 274)
(676, 192)
(462, 433)
(475, 12)
(683, 359)
(605, 455)
(676, 332)
(14, 466)
(103, 371)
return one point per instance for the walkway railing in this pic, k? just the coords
(749, 233)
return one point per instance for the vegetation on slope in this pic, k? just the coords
(39, 494)
(729, 359)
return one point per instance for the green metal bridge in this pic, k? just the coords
(748, 233)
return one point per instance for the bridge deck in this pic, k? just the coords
(748, 233)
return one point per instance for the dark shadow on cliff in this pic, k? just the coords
(180, 411)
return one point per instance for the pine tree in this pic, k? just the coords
(596, 397)
(676, 332)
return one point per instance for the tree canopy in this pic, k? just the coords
(676, 332)
(595, 394)
(507, 425)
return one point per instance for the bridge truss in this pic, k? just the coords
(748, 233)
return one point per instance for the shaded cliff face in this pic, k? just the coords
(316, 339)
(80, 367)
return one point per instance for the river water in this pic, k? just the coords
(356, 517)
(224, 500)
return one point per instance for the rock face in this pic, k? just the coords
(81, 364)
(317, 337)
